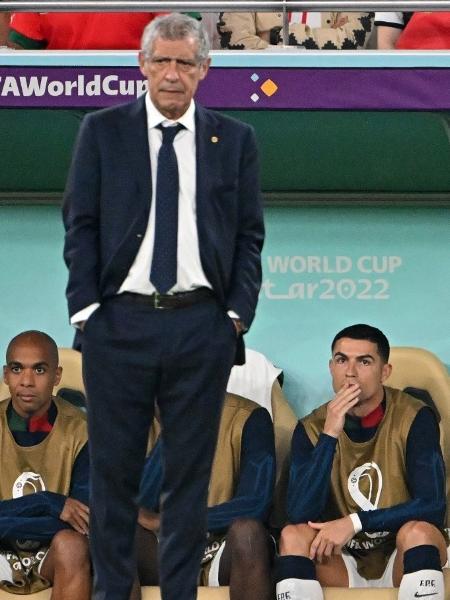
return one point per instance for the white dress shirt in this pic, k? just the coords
(190, 274)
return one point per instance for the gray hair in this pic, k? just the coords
(176, 26)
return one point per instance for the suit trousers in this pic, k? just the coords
(133, 356)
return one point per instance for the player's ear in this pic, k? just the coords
(204, 67)
(142, 63)
(386, 371)
(58, 374)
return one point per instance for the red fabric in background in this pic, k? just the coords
(83, 31)
(426, 31)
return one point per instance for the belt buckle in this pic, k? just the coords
(156, 301)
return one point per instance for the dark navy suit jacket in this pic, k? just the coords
(108, 196)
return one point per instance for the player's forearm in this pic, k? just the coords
(254, 491)
(309, 481)
(251, 502)
(425, 475)
(391, 519)
(387, 37)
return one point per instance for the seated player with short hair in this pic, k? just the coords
(239, 549)
(44, 517)
(366, 497)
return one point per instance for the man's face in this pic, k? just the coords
(173, 74)
(31, 374)
(358, 362)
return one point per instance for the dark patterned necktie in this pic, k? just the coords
(163, 272)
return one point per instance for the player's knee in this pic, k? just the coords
(296, 539)
(416, 533)
(70, 548)
(248, 538)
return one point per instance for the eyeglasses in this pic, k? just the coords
(161, 63)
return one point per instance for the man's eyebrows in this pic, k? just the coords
(17, 363)
(176, 58)
(365, 356)
(360, 357)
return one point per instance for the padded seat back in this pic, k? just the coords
(257, 381)
(420, 369)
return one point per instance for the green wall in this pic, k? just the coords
(309, 152)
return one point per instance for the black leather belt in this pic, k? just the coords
(168, 301)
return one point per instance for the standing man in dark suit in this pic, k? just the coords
(164, 235)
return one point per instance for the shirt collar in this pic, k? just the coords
(155, 118)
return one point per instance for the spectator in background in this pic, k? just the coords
(311, 30)
(426, 31)
(209, 22)
(413, 31)
(389, 27)
(78, 31)
(44, 517)
(238, 551)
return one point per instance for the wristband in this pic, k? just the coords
(356, 521)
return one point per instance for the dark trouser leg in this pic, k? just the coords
(120, 387)
(190, 399)
(132, 353)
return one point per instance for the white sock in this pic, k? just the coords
(427, 584)
(300, 589)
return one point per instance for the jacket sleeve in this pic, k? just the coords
(32, 517)
(81, 220)
(246, 275)
(309, 476)
(37, 516)
(425, 472)
(79, 483)
(253, 495)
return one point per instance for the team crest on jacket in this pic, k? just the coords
(27, 483)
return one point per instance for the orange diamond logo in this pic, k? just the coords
(269, 87)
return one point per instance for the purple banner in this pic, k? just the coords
(233, 88)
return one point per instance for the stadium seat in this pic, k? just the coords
(412, 368)
(152, 593)
(257, 380)
(417, 370)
